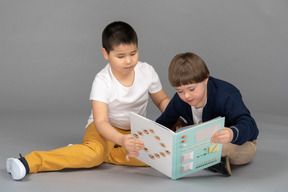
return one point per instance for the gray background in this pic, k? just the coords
(50, 52)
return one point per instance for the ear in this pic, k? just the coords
(206, 80)
(105, 54)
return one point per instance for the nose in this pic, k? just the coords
(128, 60)
(187, 95)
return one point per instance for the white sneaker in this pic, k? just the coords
(16, 168)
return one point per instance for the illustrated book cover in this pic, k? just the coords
(177, 154)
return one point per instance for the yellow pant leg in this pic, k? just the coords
(92, 152)
(118, 155)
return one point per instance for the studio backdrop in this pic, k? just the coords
(50, 51)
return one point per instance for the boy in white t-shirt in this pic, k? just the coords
(123, 86)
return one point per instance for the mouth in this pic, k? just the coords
(190, 101)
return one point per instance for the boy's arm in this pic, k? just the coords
(160, 99)
(242, 126)
(100, 115)
(170, 115)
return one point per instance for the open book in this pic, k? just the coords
(177, 154)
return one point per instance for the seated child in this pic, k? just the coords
(200, 98)
(122, 86)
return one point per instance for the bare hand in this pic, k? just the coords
(132, 146)
(222, 136)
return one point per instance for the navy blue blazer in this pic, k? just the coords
(223, 99)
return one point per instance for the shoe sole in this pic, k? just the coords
(13, 167)
(228, 166)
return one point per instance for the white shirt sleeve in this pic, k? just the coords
(100, 90)
(156, 84)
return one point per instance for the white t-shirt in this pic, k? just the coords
(122, 100)
(197, 114)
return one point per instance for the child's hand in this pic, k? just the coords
(132, 146)
(222, 136)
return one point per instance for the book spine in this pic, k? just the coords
(174, 158)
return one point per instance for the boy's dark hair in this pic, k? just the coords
(118, 33)
(187, 68)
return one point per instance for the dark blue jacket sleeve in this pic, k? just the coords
(169, 117)
(239, 119)
(174, 110)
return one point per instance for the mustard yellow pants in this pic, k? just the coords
(93, 151)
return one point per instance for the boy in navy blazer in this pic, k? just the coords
(200, 98)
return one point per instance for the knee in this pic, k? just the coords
(94, 156)
(245, 155)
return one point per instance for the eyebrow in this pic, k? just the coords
(178, 89)
(134, 51)
(189, 87)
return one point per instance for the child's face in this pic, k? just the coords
(123, 58)
(194, 94)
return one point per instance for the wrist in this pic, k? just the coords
(122, 139)
(235, 131)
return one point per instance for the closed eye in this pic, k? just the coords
(133, 53)
(120, 56)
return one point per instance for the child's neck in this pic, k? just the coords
(125, 80)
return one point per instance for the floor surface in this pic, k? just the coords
(23, 133)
